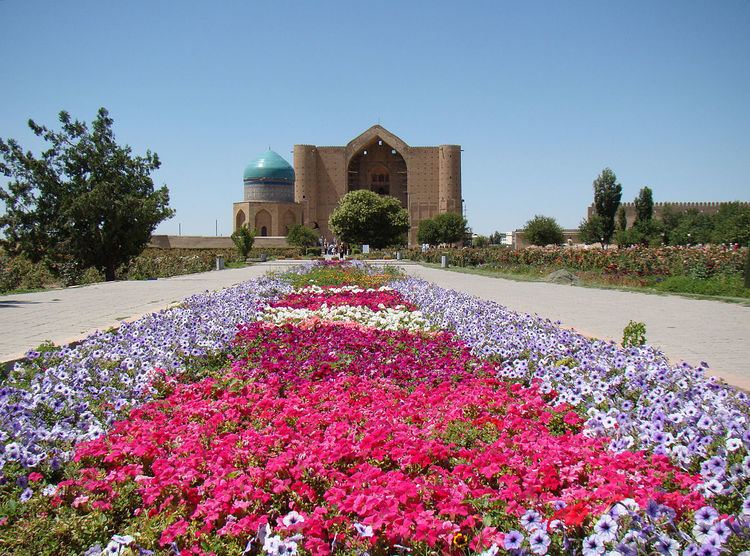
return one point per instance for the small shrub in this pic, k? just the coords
(244, 239)
(634, 334)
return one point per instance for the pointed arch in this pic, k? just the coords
(373, 134)
(262, 222)
(240, 219)
(287, 221)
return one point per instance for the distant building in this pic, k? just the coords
(426, 180)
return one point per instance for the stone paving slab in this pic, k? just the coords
(691, 330)
(70, 314)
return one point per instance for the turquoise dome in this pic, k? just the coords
(269, 167)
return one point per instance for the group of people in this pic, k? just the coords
(334, 247)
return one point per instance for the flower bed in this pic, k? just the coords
(475, 430)
(59, 397)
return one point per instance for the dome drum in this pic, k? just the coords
(269, 191)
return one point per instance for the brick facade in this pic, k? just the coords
(427, 180)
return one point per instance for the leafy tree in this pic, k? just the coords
(243, 239)
(480, 241)
(543, 230)
(644, 205)
(622, 218)
(692, 227)
(670, 220)
(427, 233)
(591, 229)
(747, 269)
(86, 199)
(732, 224)
(301, 236)
(364, 217)
(607, 195)
(496, 238)
(643, 232)
(450, 227)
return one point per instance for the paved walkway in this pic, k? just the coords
(693, 330)
(684, 329)
(67, 315)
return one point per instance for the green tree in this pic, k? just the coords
(607, 195)
(86, 199)
(622, 218)
(364, 217)
(670, 220)
(692, 227)
(243, 239)
(496, 238)
(732, 224)
(643, 232)
(301, 236)
(543, 230)
(450, 227)
(644, 205)
(427, 233)
(480, 241)
(591, 230)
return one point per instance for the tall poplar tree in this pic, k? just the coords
(607, 195)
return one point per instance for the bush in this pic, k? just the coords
(301, 236)
(543, 230)
(314, 251)
(244, 239)
(634, 334)
(19, 273)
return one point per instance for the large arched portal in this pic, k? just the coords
(380, 168)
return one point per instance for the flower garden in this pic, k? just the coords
(348, 410)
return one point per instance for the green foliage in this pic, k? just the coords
(543, 230)
(451, 227)
(607, 195)
(634, 334)
(86, 199)
(690, 228)
(591, 230)
(747, 269)
(643, 232)
(732, 224)
(19, 273)
(427, 232)
(243, 239)
(480, 241)
(622, 218)
(723, 285)
(496, 238)
(447, 227)
(644, 205)
(364, 217)
(301, 236)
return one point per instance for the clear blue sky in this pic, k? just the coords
(541, 95)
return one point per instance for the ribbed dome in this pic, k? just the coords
(269, 167)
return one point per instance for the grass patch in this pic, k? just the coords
(724, 286)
